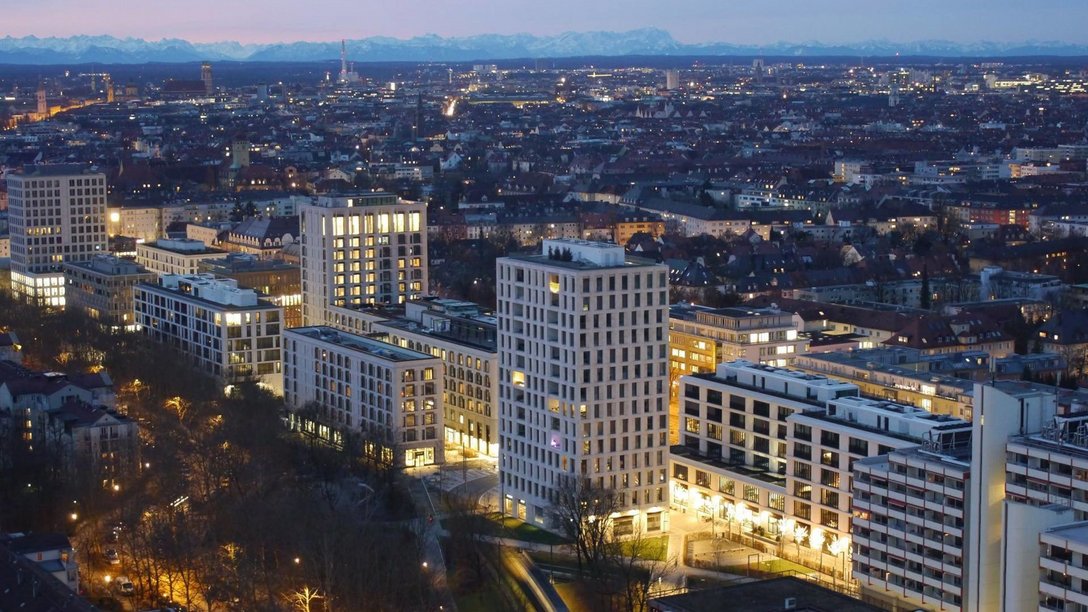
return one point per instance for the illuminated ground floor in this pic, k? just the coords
(748, 504)
(410, 455)
(466, 440)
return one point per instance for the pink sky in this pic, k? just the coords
(741, 21)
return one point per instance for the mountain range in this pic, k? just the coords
(646, 41)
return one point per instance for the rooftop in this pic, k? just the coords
(763, 596)
(360, 344)
(41, 170)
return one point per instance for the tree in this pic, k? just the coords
(584, 511)
(636, 563)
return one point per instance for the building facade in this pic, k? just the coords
(336, 382)
(466, 341)
(102, 287)
(179, 257)
(361, 249)
(583, 380)
(56, 215)
(228, 332)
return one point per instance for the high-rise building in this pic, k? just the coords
(206, 77)
(976, 524)
(56, 215)
(583, 357)
(672, 79)
(361, 249)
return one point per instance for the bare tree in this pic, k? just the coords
(636, 563)
(584, 511)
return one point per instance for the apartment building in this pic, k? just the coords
(1063, 568)
(583, 380)
(336, 383)
(229, 332)
(961, 525)
(361, 249)
(909, 527)
(143, 223)
(701, 337)
(277, 281)
(772, 450)
(56, 215)
(895, 374)
(102, 288)
(465, 338)
(180, 257)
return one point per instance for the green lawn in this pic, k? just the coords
(773, 566)
(496, 525)
(653, 549)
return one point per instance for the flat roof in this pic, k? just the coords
(763, 596)
(361, 344)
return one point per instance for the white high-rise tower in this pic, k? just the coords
(583, 349)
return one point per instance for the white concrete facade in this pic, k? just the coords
(227, 331)
(583, 379)
(389, 395)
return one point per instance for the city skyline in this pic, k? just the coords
(696, 21)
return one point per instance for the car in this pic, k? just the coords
(113, 557)
(124, 585)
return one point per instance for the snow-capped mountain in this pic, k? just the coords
(646, 41)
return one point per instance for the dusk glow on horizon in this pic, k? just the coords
(689, 21)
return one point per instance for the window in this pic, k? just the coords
(829, 478)
(829, 458)
(859, 447)
(691, 392)
(802, 451)
(829, 498)
(802, 490)
(725, 485)
(829, 518)
(802, 511)
(691, 425)
(751, 493)
(802, 432)
(762, 409)
(680, 472)
(714, 397)
(736, 402)
(829, 439)
(802, 470)
(777, 501)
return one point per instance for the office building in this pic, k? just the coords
(583, 380)
(227, 331)
(337, 383)
(180, 257)
(102, 288)
(465, 339)
(56, 215)
(361, 249)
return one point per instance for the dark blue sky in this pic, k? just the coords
(741, 21)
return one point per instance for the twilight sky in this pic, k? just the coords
(739, 21)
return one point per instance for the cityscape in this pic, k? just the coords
(598, 320)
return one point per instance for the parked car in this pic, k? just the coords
(113, 557)
(124, 585)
